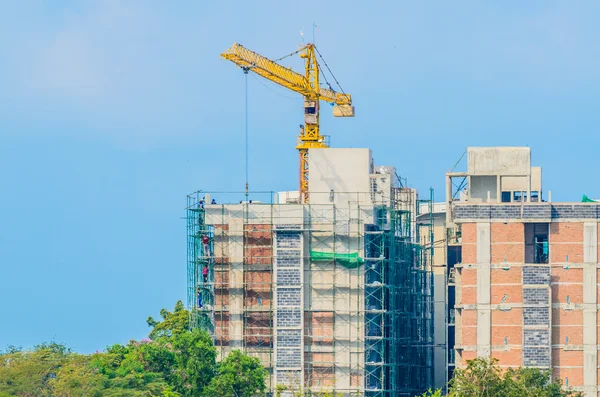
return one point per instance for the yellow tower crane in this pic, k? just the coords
(308, 86)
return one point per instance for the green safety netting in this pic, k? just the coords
(351, 260)
(586, 199)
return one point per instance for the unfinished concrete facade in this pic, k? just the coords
(334, 295)
(525, 270)
(436, 217)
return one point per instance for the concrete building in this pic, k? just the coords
(433, 216)
(523, 271)
(335, 294)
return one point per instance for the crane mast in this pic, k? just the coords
(308, 86)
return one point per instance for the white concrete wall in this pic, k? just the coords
(346, 171)
(481, 185)
(499, 160)
(288, 197)
(518, 183)
(536, 178)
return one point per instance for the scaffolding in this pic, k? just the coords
(328, 297)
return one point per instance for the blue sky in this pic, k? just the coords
(112, 111)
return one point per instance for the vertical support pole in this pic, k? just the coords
(469, 188)
(590, 309)
(498, 189)
(448, 199)
(236, 282)
(483, 289)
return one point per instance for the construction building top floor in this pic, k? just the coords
(501, 185)
(497, 175)
(338, 177)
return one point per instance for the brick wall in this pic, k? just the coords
(508, 242)
(289, 337)
(540, 212)
(511, 275)
(319, 327)
(288, 317)
(566, 242)
(288, 277)
(469, 242)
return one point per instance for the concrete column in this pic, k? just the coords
(448, 199)
(484, 322)
(469, 189)
(590, 352)
(439, 327)
(498, 189)
(236, 283)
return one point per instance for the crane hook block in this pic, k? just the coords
(343, 111)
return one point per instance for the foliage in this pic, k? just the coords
(195, 360)
(76, 378)
(176, 362)
(483, 378)
(238, 375)
(173, 323)
(432, 393)
(27, 373)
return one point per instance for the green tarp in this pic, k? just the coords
(351, 260)
(585, 199)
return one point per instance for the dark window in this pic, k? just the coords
(536, 243)
(518, 197)
(506, 197)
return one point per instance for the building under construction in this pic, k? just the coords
(334, 294)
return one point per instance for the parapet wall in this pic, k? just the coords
(524, 212)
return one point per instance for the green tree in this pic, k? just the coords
(432, 393)
(531, 382)
(238, 375)
(173, 323)
(121, 371)
(77, 378)
(187, 358)
(27, 373)
(176, 362)
(194, 360)
(483, 378)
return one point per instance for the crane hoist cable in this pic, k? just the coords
(246, 126)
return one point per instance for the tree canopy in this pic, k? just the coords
(483, 378)
(173, 362)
